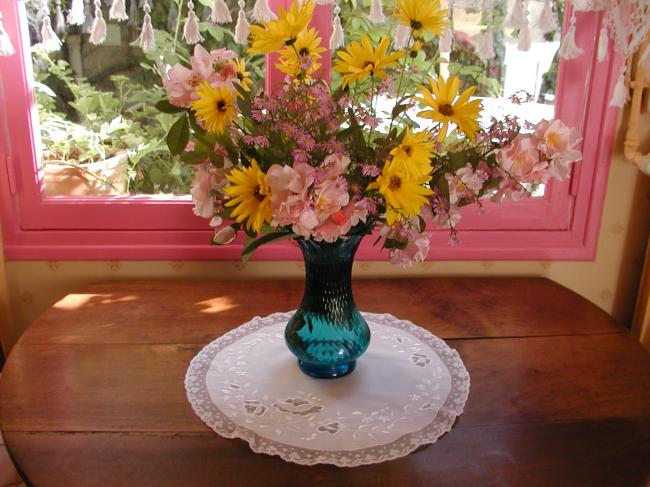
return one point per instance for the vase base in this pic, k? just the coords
(327, 371)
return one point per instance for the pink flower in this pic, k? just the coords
(340, 222)
(335, 164)
(521, 160)
(459, 193)
(415, 244)
(330, 196)
(205, 185)
(510, 189)
(416, 250)
(300, 155)
(370, 170)
(180, 83)
(210, 64)
(224, 235)
(290, 202)
(557, 141)
(474, 180)
(259, 140)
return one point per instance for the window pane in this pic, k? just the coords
(513, 83)
(100, 131)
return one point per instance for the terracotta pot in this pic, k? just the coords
(69, 180)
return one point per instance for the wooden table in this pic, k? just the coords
(93, 395)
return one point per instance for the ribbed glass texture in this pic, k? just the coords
(327, 333)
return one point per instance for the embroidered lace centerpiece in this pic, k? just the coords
(407, 391)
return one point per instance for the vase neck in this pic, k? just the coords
(328, 275)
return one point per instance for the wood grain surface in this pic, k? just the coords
(92, 395)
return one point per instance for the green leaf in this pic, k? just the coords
(269, 237)
(195, 126)
(166, 107)
(394, 244)
(217, 159)
(178, 136)
(398, 109)
(194, 157)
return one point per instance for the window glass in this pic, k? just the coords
(101, 134)
(100, 131)
(513, 83)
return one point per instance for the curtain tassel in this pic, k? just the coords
(220, 13)
(569, 49)
(98, 32)
(337, 38)
(191, 33)
(376, 15)
(118, 11)
(146, 39)
(262, 12)
(242, 28)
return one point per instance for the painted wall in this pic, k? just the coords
(610, 281)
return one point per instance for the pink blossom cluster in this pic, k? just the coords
(306, 117)
(535, 158)
(316, 201)
(215, 67)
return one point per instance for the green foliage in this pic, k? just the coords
(96, 124)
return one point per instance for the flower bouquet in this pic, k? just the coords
(327, 163)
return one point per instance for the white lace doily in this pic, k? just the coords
(407, 390)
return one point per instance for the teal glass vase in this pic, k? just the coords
(327, 333)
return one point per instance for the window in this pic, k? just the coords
(155, 222)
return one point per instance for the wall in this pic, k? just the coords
(610, 281)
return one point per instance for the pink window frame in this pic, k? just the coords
(563, 225)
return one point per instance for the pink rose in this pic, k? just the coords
(557, 141)
(180, 83)
(330, 196)
(209, 64)
(289, 195)
(521, 159)
(340, 222)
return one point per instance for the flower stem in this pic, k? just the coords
(177, 29)
(401, 80)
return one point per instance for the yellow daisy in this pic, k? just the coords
(307, 46)
(271, 36)
(250, 195)
(422, 15)
(414, 154)
(215, 107)
(404, 195)
(446, 108)
(242, 75)
(359, 60)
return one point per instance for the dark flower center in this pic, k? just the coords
(221, 106)
(408, 150)
(395, 183)
(447, 110)
(304, 51)
(258, 193)
(416, 24)
(290, 42)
